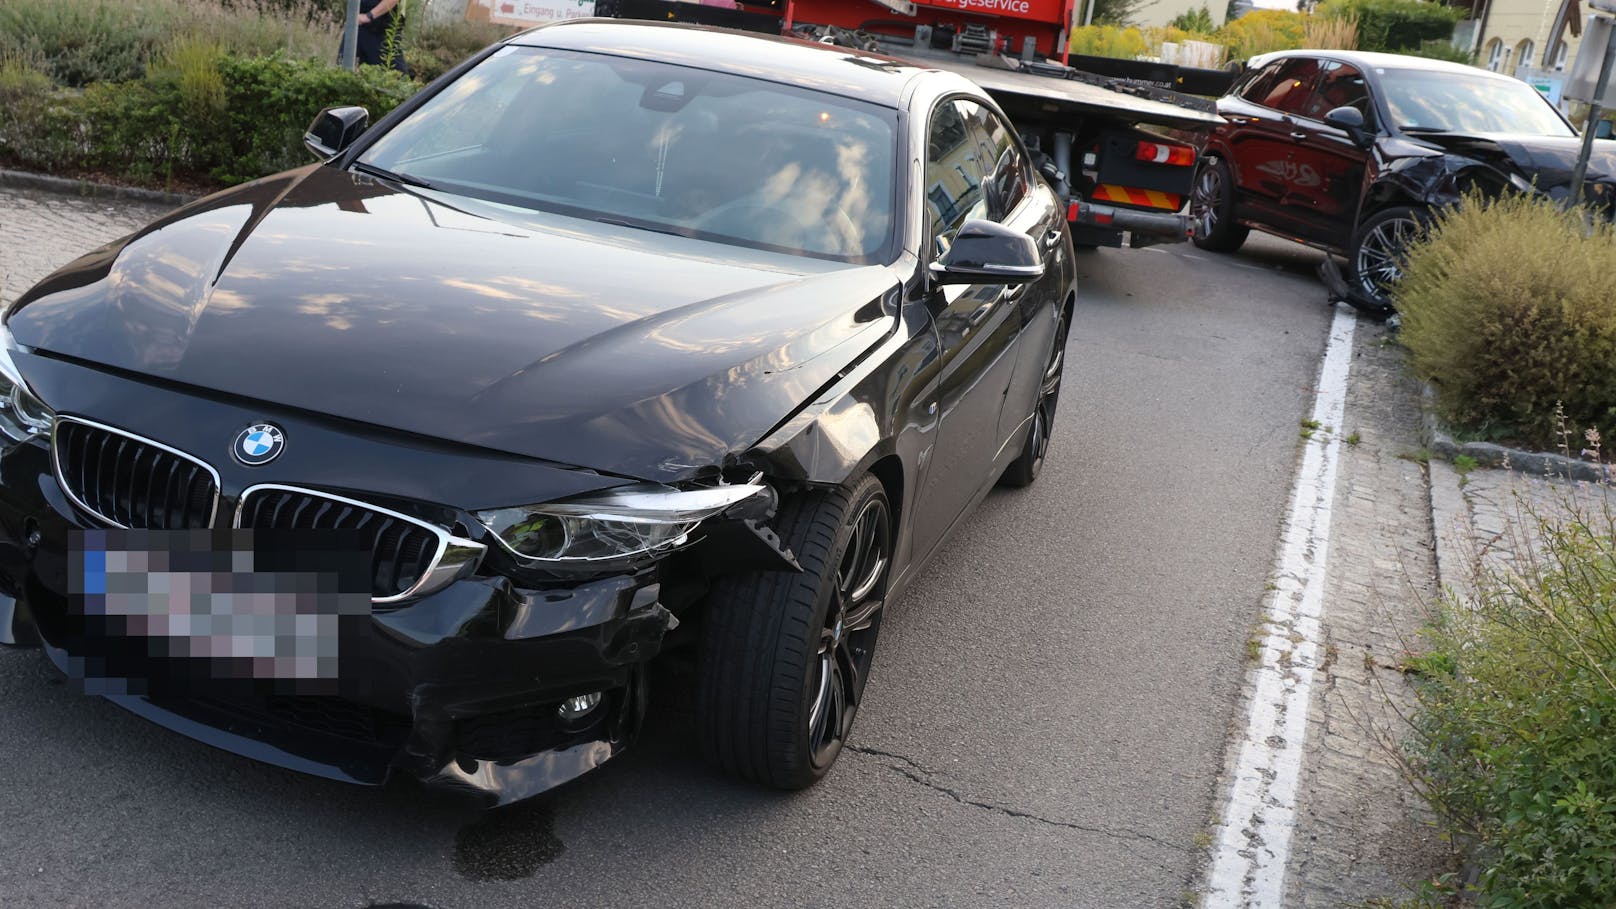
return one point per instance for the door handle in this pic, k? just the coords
(1298, 135)
(1052, 239)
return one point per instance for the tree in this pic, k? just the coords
(1196, 20)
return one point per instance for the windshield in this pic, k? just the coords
(1422, 99)
(659, 147)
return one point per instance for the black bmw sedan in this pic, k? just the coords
(618, 342)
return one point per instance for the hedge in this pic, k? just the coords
(200, 118)
(1508, 310)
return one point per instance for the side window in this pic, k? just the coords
(955, 173)
(1005, 164)
(1341, 86)
(1260, 83)
(1292, 84)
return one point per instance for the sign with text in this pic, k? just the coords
(1040, 10)
(536, 12)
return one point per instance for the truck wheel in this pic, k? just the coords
(785, 656)
(1375, 262)
(1212, 208)
(1026, 467)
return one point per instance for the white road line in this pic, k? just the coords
(1254, 834)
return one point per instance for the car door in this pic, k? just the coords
(976, 328)
(1328, 180)
(1019, 201)
(1262, 147)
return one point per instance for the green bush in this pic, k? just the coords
(84, 41)
(1196, 20)
(271, 102)
(1399, 26)
(174, 124)
(1515, 738)
(434, 48)
(1508, 310)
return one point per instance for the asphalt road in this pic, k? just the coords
(1045, 724)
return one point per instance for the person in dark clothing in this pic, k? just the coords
(376, 19)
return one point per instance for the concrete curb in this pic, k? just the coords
(69, 186)
(1487, 454)
(1450, 528)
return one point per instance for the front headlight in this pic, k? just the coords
(22, 415)
(616, 528)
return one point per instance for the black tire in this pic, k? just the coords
(1026, 467)
(1212, 208)
(1374, 263)
(785, 656)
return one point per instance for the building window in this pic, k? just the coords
(1523, 58)
(1495, 54)
(1560, 57)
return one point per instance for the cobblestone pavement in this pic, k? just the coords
(1501, 510)
(41, 231)
(1362, 832)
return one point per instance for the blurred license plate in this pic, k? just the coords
(215, 604)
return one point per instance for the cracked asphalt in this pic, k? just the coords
(1045, 724)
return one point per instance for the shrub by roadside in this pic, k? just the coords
(79, 42)
(199, 117)
(1508, 311)
(1515, 736)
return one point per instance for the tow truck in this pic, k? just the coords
(1117, 139)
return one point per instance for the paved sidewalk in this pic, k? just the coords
(41, 231)
(1486, 518)
(1362, 832)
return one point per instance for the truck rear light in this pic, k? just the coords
(1072, 210)
(1162, 153)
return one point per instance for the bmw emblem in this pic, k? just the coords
(258, 444)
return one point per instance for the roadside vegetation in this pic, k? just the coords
(1507, 310)
(1398, 26)
(1515, 735)
(189, 94)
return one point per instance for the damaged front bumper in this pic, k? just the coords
(462, 689)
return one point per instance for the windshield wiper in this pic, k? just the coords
(395, 176)
(1425, 129)
(639, 225)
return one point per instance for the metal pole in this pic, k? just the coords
(350, 38)
(1594, 110)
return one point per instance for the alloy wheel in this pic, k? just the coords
(1206, 199)
(847, 641)
(1381, 254)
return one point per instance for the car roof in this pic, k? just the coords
(838, 70)
(1376, 60)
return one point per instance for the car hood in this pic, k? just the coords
(580, 343)
(1546, 161)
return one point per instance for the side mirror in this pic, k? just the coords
(1350, 121)
(334, 129)
(986, 252)
(1605, 129)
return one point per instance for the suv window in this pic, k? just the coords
(1341, 86)
(955, 172)
(1001, 158)
(1260, 82)
(1288, 91)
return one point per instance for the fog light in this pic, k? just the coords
(579, 707)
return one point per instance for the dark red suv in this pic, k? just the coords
(1350, 152)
